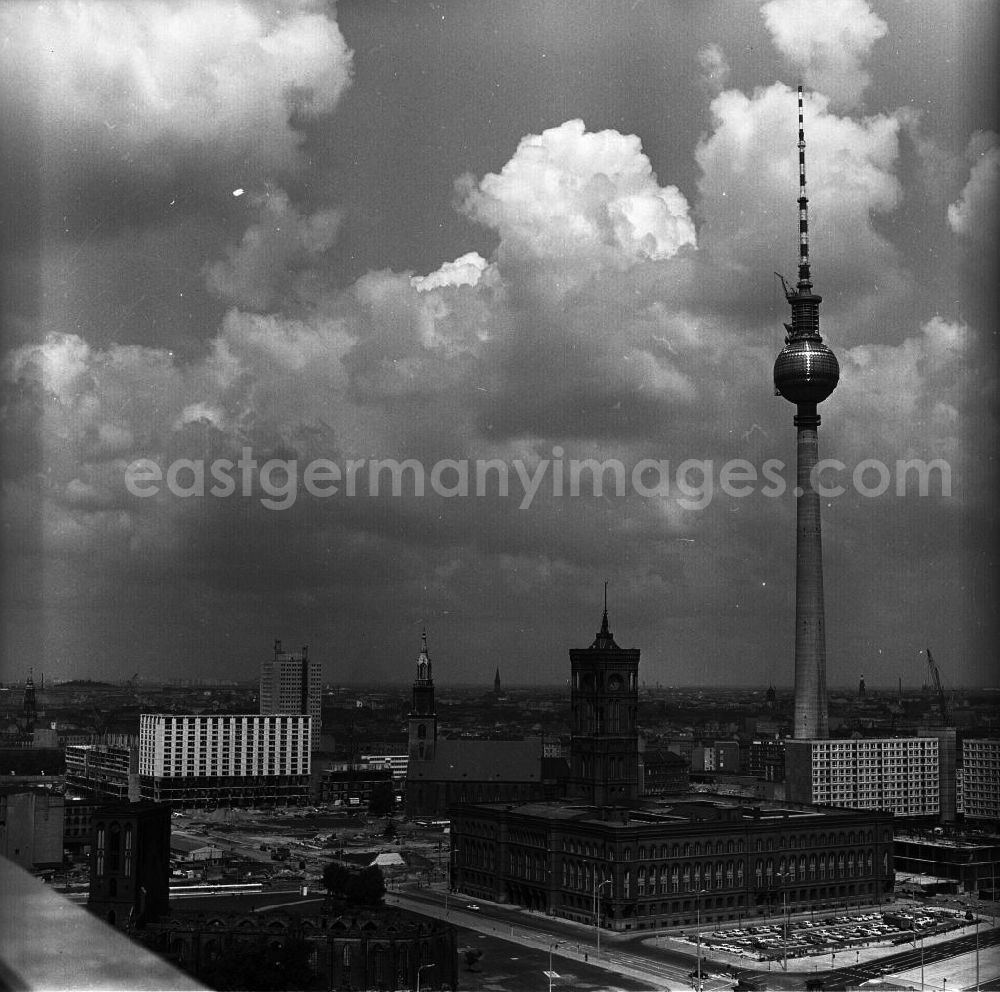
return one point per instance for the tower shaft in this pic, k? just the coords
(810, 633)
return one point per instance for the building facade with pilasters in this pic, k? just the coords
(664, 865)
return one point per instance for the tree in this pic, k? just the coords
(336, 879)
(390, 830)
(382, 800)
(472, 956)
(366, 887)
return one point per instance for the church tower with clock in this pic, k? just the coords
(604, 697)
(423, 719)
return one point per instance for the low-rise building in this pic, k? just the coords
(108, 770)
(353, 785)
(31, 826)
(973, 864)
(663, 773)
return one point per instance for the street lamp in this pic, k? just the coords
(422, 968)
(698, 928)
(977, 953)
(783, 875)
(597, 910)
(552, 947)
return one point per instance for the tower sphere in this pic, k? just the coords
(806, 371)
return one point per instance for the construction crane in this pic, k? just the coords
(936, 681)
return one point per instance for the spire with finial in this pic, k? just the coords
(605, 639)
(424, 661)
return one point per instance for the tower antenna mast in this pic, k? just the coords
(805, 279)
(806, 372)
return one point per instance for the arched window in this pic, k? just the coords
(114, 845)
(99, 844)
(640, 881)
(128, 850)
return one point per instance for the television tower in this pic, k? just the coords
(806, 372)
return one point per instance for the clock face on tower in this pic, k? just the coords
(615, 683)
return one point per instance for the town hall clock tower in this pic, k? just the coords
(604, 749)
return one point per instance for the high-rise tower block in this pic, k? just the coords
(806, 372)
(292, 682)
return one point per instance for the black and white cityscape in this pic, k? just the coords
(499, 496)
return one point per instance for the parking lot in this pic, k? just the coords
(838, 936)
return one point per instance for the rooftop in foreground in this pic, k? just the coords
(51, 943)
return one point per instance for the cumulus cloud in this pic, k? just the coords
(905, 399)
(828, 42)
(568, 193)
(714, 67)
(147, 85)
(974, 215)
(749, 188)
(464, 271)
(284, 241)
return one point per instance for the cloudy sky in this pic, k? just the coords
(527, 232)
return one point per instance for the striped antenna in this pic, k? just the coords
(805, 281)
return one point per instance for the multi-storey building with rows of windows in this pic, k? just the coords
(292, 682)
(900, 774)
(240, 759)
(661, 865)
(981, 779)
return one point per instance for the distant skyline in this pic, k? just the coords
(525, 233)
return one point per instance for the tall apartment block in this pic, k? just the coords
(291, 682)
(981, 779)
(900, 774)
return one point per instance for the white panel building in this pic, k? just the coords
(900, 774)
(981, 779)
(237, 758)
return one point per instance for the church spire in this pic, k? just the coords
(424, 661)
